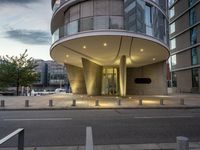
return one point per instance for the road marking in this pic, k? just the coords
(163, 117)
(38, 119)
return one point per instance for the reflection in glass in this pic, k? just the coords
(110, 81)
(72, 28)
(194, 56)
(86, 24)
(116, 22)
(193, 36)
(101, 22)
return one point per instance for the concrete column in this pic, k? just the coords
(93, 77)
(122, 75)
(76, 79)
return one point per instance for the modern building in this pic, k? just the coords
(112, 47)
(51, 76)
(185, 44)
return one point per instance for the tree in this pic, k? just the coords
(17, 71)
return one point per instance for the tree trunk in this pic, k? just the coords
(17, 90)
(18, 82)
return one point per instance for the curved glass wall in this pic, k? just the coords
(135, 16)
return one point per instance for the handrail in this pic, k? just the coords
(20, 133)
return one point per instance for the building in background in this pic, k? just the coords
(112, 47)
(185, 44)
(51, 76)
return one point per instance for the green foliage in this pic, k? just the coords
(17, 71)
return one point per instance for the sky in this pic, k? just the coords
(25, 24)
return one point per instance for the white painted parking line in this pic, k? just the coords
(163, 117)
(37, 119)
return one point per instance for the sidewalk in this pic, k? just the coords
(64, 101)
(154, 146)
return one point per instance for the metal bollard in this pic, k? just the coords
(140, 102)
(119, 102)
(26, 103)
(97, 103)
(2, 103)
(51, 103)
(182, 143)
(161, 102)
(182, 101)
(74, 102)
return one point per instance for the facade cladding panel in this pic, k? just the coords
(185, 73)
(142, 20)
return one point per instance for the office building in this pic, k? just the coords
(112, 47)
(185, 45)
(50, 76)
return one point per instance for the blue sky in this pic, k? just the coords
(25, 24)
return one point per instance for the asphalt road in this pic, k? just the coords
(116, 126)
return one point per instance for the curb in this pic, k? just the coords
(99, 108)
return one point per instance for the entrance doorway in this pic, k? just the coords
(110, 81)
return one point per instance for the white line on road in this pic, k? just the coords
(163, 117)
(38, 119)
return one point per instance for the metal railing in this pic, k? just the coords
(20, 133)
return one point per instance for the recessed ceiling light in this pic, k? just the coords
(105, 44)
(154, 59)
(84, 47)
(141, 50)
(67, 56)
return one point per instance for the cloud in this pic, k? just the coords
(18, 1)
(34, 37)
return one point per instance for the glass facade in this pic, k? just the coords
(172, 28)
(174, 79)
(173, 60)
(193, 36)
(173, 44)
(192, 16)
(135, 16)
(195, 77)
(171, 12)
(110, 81)
(171, 2)
(194, 56)
(191, 2)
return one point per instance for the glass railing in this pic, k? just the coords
(99, 23)
(58, 3)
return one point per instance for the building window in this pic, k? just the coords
(193, 36)
(148, 19)
(74, 12)
(191, 2)
(195, 77)
(173, 44)
(171, 2)
(192, 16)
(72, 27)
(174, 79)
(87, 9)
(116, 22)
(173, 60)
(171, 12)
(101, 7)
(172, 28)
(194, 56)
